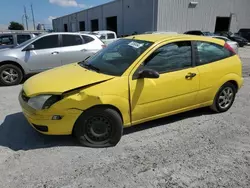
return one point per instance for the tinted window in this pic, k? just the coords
(171, 57)
(46, 42)
(102, 37)
(87, 39)
(71, 40)
(6, 40)
(194, 33)
(110, 36)
(209, 52)
(22, 38)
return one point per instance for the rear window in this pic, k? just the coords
(210, 52)
(71, 40)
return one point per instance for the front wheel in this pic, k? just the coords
(224, 98)
(10, 75)
(99, 127)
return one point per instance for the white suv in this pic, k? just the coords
(45, 52)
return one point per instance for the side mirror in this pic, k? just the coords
(148, 73)
(29, 47)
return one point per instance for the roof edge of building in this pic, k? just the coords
(114, 1)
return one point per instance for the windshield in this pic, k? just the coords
(117, 57)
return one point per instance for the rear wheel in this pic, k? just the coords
(99, 127)
(224, 98)
(10, 75)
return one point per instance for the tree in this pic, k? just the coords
(15, 26)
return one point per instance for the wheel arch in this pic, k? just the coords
(107, 106)
(100, 106)
(13, 63)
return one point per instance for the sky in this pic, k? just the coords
(44, 10)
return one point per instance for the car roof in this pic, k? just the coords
(157, 38)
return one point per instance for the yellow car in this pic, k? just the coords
(133, 80)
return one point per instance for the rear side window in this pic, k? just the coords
(209, 52)
(71, 40)
(6, 40)
(110, 36)
(46, 42)
(22, 38)
(87, 39)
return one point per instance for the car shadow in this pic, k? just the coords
(167, 120)
(17, 134)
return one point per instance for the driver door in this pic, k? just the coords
(175, 90)
(45, 55)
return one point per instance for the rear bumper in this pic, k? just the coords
(42, 121)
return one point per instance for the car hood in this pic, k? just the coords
(62, 79)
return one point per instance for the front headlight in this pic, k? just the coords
(43, 101)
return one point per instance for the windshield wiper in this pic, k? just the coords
(89, 66)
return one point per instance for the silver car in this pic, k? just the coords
(231, 43)
(45, 52)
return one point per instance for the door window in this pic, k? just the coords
(46, 42)
(209, 52)
(6, 40)
(22, 38)
(71, 40)
(171, 57)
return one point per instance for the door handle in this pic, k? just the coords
(190, 75)
(83, 50)
(55, 53)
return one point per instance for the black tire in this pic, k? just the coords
(106, 121)
(17, 75)
(217, 107)
(241, 45)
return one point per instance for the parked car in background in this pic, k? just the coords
(234, 37)
(106, 36)
(132, 81)
(10, 40)
(231, 43)
(245, 33)
(199, 33)
(161, 32)
(45, 52)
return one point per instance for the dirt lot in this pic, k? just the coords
(194, 149)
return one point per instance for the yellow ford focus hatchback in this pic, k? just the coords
(133, 80)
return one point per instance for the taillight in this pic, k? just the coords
(104, 46)
(227, 46)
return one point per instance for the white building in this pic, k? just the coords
(128, 16)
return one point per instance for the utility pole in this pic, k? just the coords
(26, 18)
(33, 17)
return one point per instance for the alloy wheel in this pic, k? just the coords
(9, 75)
(226, 97)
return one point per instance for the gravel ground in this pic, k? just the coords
(194, 149)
